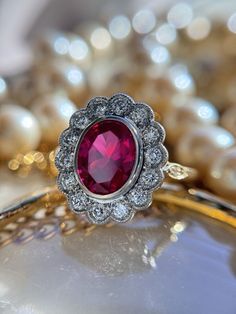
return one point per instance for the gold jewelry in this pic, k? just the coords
(36, 215)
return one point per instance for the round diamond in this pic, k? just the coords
(64, 159)
(151, 179)
(153, 134)
(153, 157)
(141, 115)
(98, 106)
(79, 119)
(139, 198)
(99, 213)
(106, 156)
(78, 201)
(67, 181)
(121, 212)
(69, 137)
(120, 104)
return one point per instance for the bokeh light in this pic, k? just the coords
(120, 27)
(180, 15)
(144, 21)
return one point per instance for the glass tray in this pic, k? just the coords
(175, 262)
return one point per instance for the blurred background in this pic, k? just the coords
(179, 57)
(31, 18)
(21, 23)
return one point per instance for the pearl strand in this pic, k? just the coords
(142, 67)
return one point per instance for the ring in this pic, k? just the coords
(112, 158)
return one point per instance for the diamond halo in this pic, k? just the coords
(147, 177)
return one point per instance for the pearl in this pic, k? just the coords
(166, 34)
(79, 51)
(100, 40)
(232, 23)
(228, 120)
(144, 21)
(185, 113)
(180, 15)
(53, 113)
(221, 176)
(120, 27)
(3, 89)
(160, 55)
(199, 28)
(19, 131)
(198, 146)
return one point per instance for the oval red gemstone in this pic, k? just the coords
(106, 156)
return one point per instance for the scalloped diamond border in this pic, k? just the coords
(151, 176)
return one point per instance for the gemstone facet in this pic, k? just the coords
(106, 156)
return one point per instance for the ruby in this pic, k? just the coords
(106, 156)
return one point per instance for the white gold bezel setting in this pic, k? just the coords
(137, 165)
